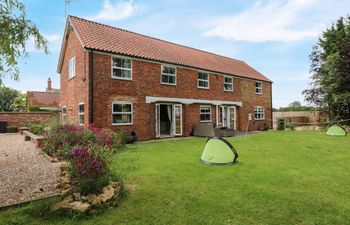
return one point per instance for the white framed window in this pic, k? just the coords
(122, 113)
(168, 75)
(81, 113)
(228, 83)
(258, 87)
(121, 68)
(71, 68)
(203, 80)
(259, 113)
(205, 113)
(64, 114)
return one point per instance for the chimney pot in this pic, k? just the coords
(49, 84)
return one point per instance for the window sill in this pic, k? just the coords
(121, 78)
(168, 84)
(259, 119)
(203, 88)
(228, 90)
(122, 124)
(258, 93)
(71, 78)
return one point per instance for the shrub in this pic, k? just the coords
(290, 126)
(62, 139)
(37, 128)
(265, 127)
(280, 124)
(90, 167)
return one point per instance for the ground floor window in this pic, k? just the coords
(205, 113)
(259, 113)
(122, 113)
(81, 113)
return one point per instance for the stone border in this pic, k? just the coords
(75, 201)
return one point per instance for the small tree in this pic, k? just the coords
(15, 31)
(330, 68)
(19, 103)
(7, 96)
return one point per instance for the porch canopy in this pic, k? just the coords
(152, 99)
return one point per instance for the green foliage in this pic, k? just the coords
(62, 139)
(19, 103)
(295, 106)
(7, 97)
(265, 127)
(330, 65)
(90, 167)
(290, 126)
(37, 128)
(15, 31)
(280, 124)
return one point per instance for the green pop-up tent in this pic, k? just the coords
(336, 130)
(219, 151)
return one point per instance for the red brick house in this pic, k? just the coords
(122, 80)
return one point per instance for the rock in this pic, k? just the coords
(78, 206)
(67, 191)
(58, 186)
(76, 196)
(64, 166)
(107, 193)
(91, 197)
(68, 199)
(67, 178)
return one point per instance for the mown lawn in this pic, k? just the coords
(286, 177)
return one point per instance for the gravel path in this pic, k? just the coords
(25, 174)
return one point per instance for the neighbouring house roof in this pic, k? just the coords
(100, 37)
(43, 99)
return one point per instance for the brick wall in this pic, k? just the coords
(20, 119)
(146, 82)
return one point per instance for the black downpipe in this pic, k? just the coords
(91, 86)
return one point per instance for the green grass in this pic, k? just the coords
(282, 178)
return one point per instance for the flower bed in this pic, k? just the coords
(87, 182)
(61, 140)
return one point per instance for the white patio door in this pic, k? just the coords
(177, 119)
(157, 120)
(232, 117)
(228, 116)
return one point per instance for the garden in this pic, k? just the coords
(283, 177)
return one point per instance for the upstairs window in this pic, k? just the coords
(121, 68)
(259, 113)
(203, 80)
(81, 113)
(71, 68)
(122, 113)
(168, 75)
(258, 87)
(205, 114)
(228, 83)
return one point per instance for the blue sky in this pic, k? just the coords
(275, 37)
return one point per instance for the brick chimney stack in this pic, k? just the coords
(49, 84)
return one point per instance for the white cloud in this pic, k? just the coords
(276, 20)
(54, 43)
(115, 11)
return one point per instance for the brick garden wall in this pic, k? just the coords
(20, 119)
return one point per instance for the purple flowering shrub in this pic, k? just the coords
(62, 139)
(90, 167)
